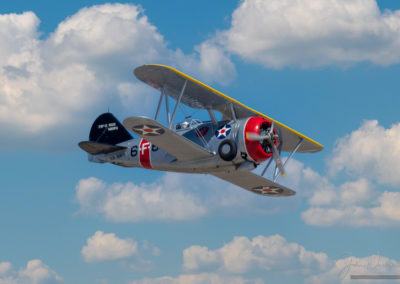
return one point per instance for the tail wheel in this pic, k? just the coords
(227, 150)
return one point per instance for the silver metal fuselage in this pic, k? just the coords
(141, 153)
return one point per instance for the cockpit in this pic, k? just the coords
(187, 124)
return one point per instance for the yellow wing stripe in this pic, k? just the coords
(236, 102)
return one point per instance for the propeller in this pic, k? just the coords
(270, 137)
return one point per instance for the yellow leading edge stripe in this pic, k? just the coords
(239, 103)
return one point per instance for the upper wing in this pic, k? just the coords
(166, 139)
(199, 95)
(254, 183)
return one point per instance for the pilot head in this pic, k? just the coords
(185, 124)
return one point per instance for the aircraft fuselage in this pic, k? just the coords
(143, 154)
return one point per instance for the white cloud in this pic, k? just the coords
(290, 261)
(349, 193)
(131, 203)
(243, 255)
(173, 197)
(371, 155)
(359, 202)
(101, 247)
(371, 151)
(5, 267)
(35, 272)
(353, 203)
(384, 212)
(343, 268)
(202, 278)
(275, 260)
(304, 180)
(100, 31)
(89, 193)
(313, 33)
(58, 84)
(214, 62)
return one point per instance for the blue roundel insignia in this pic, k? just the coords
(223, 131)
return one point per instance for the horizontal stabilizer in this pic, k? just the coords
(254, 183)
(95, 148)
(166, 139)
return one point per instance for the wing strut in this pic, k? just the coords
(159, 106)
(294, 151)
(266, 167)
(276, 172)
(170, 119)
(233, 111)
(212, 116)
(166, 105)
(178, 101)
(279, 168)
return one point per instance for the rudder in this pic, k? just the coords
(107, 129)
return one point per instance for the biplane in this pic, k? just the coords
(228, 148)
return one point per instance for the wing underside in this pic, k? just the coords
(201, 96)
(254, 183)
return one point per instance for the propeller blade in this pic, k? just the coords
(271, 129)
(270, 137)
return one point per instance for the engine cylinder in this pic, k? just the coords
(257, 151)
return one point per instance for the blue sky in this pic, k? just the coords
(328, 69)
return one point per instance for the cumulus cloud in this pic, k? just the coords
(83, 66)
(349, 193)
(271, 257)
(343, 268)
(101, 247)
(131, 203)
(173, 197)
(243, 255)
(276, 255)
(5, 267)
(357, 202)
(35, 272)
(385, 211)
(369, 154)
(313, 33)
(202, 278)
(371, 151)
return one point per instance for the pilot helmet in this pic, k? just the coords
(185, 124)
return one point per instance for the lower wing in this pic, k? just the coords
(254, 183)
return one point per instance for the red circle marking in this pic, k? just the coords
(148, 130)
(254, 148)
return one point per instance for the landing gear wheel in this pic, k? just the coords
(227, 150)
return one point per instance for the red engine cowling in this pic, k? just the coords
(258, 151)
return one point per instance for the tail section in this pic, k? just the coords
(95, 148)
(107, 129)
(105, 133)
